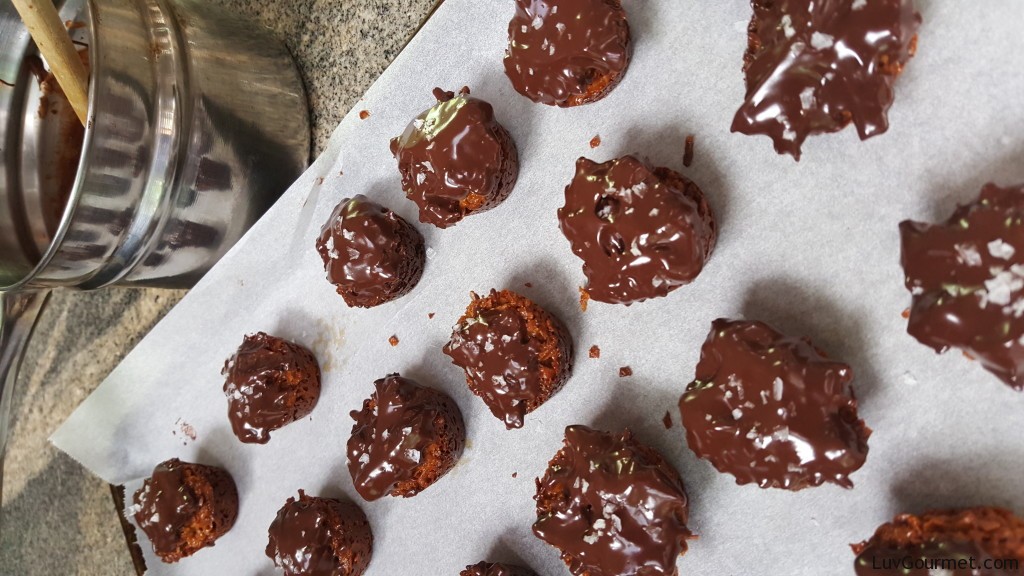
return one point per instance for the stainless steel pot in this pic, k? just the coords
(197, 123)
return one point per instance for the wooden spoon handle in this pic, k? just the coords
(53, 41)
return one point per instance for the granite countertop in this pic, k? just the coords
(57, 517)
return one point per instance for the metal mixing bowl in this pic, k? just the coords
(197, 123)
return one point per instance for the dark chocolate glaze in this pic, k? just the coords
(567, 52)
(813, 67)
(166, 506)
(967, 279)
(320, 537)
(772, 410)
(171, 500)
(510, 369)
(370, 253)
(393, 435)
(496, 569)
(612, 506)
(456, 159)
(641, 232)
(270, 383)
(904, 546)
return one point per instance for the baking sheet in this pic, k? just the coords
(810, 247)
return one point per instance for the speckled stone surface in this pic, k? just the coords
(58, 518)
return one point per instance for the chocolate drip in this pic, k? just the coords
(813, 67)
(515, 354)
(394, 433)
(612, 506)
(166, 506)
(967, 279)
(370, 253)
(320, 537)
(270, 383)
(641, 232)
(772, 410)
(456, 159)
(567, 52)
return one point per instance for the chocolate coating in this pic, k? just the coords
(567, 52)
(641, 232)
(270, 383)
(456, 159)
(967, 279)
(912, 545)
(514, 353)
(320, 537)
(489, 569)
(772, 410)
(370, 253)
(814, 67)
(612, 506)
(185, 507)
(404, 439)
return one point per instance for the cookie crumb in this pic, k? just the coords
(595, 141)
(393, 340)
(688, 151)
(905, 313)
(625, 372)
(363, 115)
(430, 315)
(595, 351)
(514, 474)
(667, 420)
(584, 298)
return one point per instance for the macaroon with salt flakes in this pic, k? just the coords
(966, 276)
(773, 410)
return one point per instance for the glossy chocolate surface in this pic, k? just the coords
(320, 537)
(270, 383)
(641, 232)
(965, 542)
(394, 431)
(813, 67)
(512, 370)
(496, 569)
(966, 276)
(772, 410)
(567, 52)
(370, 253)
(166, 504)
(456, 159)
(612, 506)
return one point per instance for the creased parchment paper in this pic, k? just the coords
(809, 247)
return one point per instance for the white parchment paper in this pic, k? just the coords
(810, 247)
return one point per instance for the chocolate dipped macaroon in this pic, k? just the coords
(773, 410)
(641, 232)
(612, 506)
(496, 569)
(270, 383)
(991, 538)
(370, 254)
(966, 276)
(456, 159)
(404, 439)
(567, 52)
(813, 68)
(514, 353)
(313, 536)
(183, 508)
